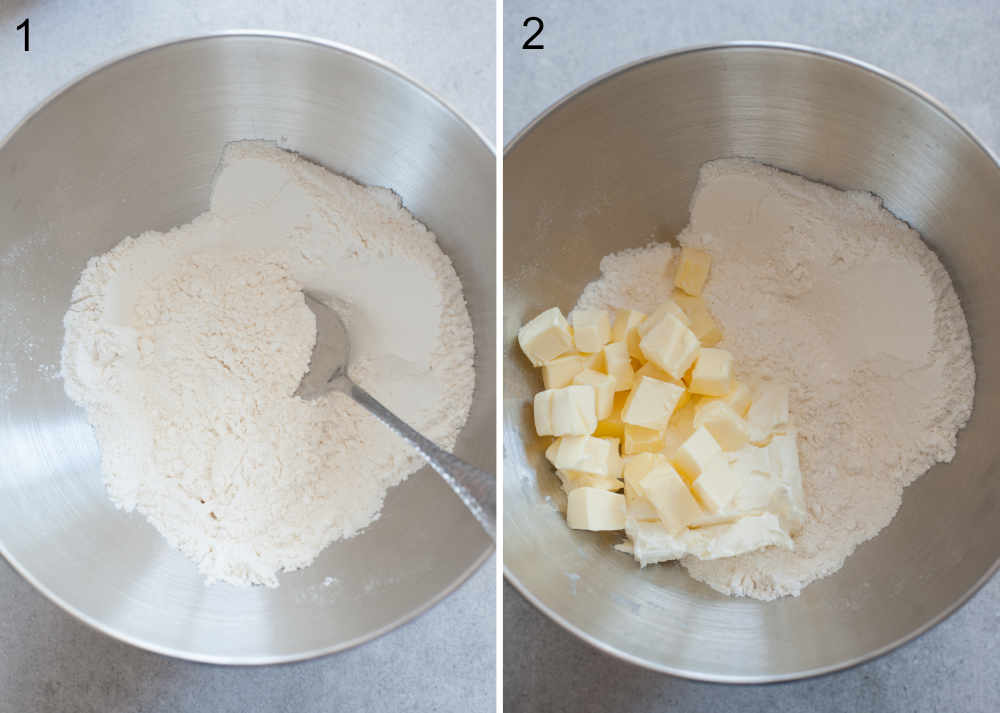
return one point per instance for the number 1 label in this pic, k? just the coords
(25, 26)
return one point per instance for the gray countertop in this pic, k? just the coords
(442, 661)
(949, 51)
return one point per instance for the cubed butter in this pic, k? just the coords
(636, 468)
(641, 510)
(573, 479)
(595, 509)
(759, 481)
(783, 454)
(626, 329)
(591, 329)
(670, 307)
(670, 497)
(725, 425)
(594, 361)
(654, 372)
(560, 371)
(679, 428)
(713, 372)
(717, 484)
(545, 337)
(768, 412)
(671, 346)
(651, 403)
(569, 411)
(613, 425)
(618, 365)
(604, 389)
(739, 397)
(695, 454)
(692, 270)
(586, 454)
(641, 440)
(702, 323)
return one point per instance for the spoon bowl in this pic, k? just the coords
(328, 372)
(331, 353)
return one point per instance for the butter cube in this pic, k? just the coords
(591, 329)
(702, 322)
(768, 412)
(545, 337)
(692, 270)
(739, 397)
(560, 371)
(595, 509)
(695, 454)
(636, 468)
(641, 510)
(671, 346)
(759, 480)
(713, 372)
(651, 403)
(613, 425)
(725, 425)
(571, 480)
(618, 365)
(654, 372)
(717, 484)
(679, 428)
(586, 454)
(626, 329)
(641, 440)
(569, 411)
(670, 497)
(604, 388)
(594, 361)
(784, 456)
(543, 412)
(671, 308)
(615, 459)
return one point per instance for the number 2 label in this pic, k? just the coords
(528, 42)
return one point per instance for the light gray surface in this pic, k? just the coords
(442, 661)
(947, 49)
(953, 667)
(946, 53)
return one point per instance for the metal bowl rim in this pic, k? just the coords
(935, 104)
(312, 653)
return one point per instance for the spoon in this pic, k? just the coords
(328, 372)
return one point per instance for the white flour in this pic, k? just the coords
(829, 292)
(185, 349)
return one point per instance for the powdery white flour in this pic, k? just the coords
(829, 292)
(185, 349)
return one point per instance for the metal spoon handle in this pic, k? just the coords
(475, 487)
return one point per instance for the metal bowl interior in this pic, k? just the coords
(612, 167)
(134, 146)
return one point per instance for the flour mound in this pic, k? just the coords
(185, 349)
(829, 292)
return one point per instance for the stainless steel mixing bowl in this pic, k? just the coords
(613, 166)
(133, 146)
